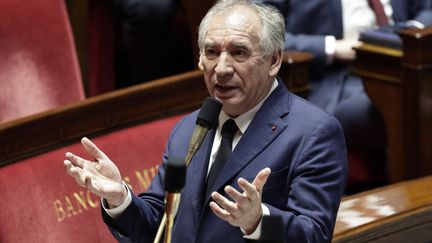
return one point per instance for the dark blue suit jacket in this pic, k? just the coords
(307, 156)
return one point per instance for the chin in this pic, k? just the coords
(226, 100)
(231, 108)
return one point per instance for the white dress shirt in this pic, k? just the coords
(357, 16)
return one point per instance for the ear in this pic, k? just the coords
(276, 62)
(200, 64)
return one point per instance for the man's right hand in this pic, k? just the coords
(344, 49)
(100, 176)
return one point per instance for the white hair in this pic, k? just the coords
(272, 21)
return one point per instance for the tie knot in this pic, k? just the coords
(229, 128)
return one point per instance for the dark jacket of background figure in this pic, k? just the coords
(153, 40)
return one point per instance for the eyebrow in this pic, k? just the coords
(243, 46)
(211, 44)
(239, 45)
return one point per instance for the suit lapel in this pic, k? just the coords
(264, 128)
(198, 167)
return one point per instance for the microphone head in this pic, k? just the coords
(209, 113)
(175, 174)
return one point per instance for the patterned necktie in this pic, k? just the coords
(378, 10)
(228, 130)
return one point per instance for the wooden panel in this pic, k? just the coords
(144, 102)
(397, 213)
(417, 66)
(294, 71)
(400, 85)
(383, 83)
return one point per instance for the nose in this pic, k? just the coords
(224, 65)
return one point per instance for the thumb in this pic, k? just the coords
(92, 149)
(261, 178)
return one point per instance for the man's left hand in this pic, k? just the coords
(245, 211)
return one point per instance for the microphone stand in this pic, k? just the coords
(170, 211)
(198, 135)
(206, 120)
(174, 181)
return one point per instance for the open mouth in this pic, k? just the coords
(224, 91)
(224, 87)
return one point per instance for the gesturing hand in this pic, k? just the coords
(245, 211)
(100, 176)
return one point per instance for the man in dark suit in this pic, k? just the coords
(329, 29)
(288, 157)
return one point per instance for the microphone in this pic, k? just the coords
(174, 181)
(207, 119)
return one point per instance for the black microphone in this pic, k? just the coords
(174, 181)
(175, 175)
(272, 229)
(207, 119)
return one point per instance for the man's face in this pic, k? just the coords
(235, 71)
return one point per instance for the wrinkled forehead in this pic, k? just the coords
(238, 19)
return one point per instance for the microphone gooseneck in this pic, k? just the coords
(207, 119)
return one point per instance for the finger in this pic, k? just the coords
(238, 197)
(261, 178)
(221, 213)
(68, 165)
(249, 190)
(256, 186)
(223, 202)
(92, 149)
(75, 160)
(79, 175)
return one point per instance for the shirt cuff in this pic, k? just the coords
(115, 212)
(257, 233)
(414, 23)
(330, 48)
